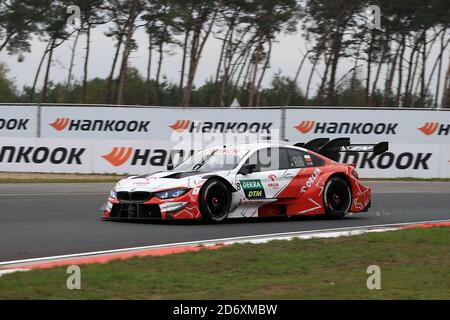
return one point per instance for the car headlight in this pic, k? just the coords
(113, 194)
(170, 194)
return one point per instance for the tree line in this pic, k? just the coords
(401, 64)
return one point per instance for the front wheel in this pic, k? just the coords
(337, 197)
(214, 201)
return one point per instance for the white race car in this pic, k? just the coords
(251, 180)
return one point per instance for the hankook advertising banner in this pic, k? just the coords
(139, 157)
(142, 140)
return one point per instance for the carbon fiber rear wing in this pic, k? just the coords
(332, 148)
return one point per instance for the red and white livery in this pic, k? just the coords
(251, 180)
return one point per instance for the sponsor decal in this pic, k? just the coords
(273, 184)
(430, 128)
(305, 126)
(253, 189)
(401, 161)
(347, 128)
(310, 182)
(142, 183)
(41, 155)
(61, 124)
(226, 151)
(308, 160)
(243, 202)
(221, 127)
(180, 125)
(172, 206)
(14, 124)
(119, 156)
(196, 191)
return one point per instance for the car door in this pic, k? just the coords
(271, 177)
(308, 166)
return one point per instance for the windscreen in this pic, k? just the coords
(213, 160)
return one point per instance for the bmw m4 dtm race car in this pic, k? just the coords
(249, 180)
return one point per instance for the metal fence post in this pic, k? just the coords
(283, 123)
(39, 114)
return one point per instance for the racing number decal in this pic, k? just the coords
(253, 189)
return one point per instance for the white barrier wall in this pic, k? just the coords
(419, 141)
(142, 140)
(152, 123)
(83, 155)
(395, 126)
(139, 157)
(18, 121)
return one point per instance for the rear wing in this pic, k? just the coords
(331, 148)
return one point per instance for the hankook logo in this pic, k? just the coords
(305, 126)
(14, 124)
(221, 127)
(430, 128)
(61, 124)
(366, 128)
(41, 155)
(118, 156)
(181, 125)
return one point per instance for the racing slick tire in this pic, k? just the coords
(337, 197)
(214, 201)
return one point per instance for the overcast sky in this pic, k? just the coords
(285, 58)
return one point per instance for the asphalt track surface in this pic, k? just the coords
(40, 220)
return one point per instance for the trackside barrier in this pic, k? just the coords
(102, 139)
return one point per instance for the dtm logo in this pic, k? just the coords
(60, 124)
(118, 156)
(366, 128)
(181, 125)
(430, 128)
(253, 189)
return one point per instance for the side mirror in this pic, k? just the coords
(247, 169)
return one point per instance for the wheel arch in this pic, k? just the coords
(345, 177)
(350, 185)
(221, 179)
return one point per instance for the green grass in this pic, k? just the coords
(415, 264)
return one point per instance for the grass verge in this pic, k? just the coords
(414, 264)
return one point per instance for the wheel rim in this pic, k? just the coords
(216, 201)
(338, 197)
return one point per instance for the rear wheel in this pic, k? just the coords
(214, 201)
(337, 197)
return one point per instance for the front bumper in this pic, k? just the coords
(184, 207)
(134, 211)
